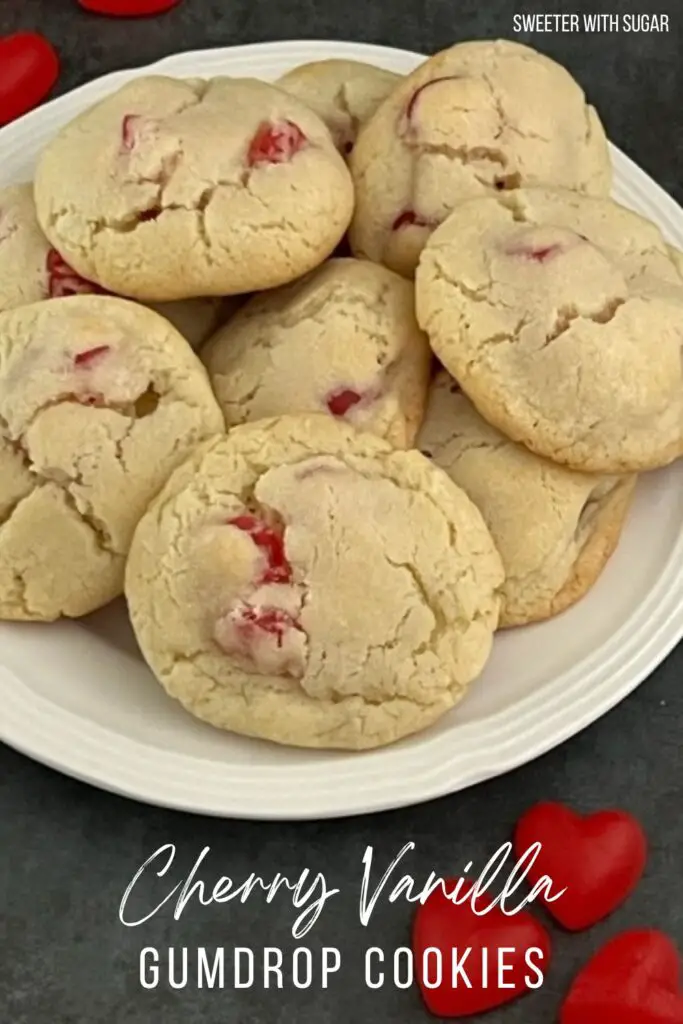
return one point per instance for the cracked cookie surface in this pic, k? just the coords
(343, 93)
(171, 189)
(555, 529)
(561, 317)
(344, 341)
(32, 270)
(100, 400)
(475, 118)
(304, 583)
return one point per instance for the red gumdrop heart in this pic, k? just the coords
(505, 955)
(598, 859)
(128, 8)
(29, 67)
(633, 979)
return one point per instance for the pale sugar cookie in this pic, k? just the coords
(100, 399)
(477, 117)
(344, 93)
(555, 529)
(343, 340)
(32, 270)
(171, 189)
(304, 583)
(676, 258)
(561, 317)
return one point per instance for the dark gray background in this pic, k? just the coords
(67, 852)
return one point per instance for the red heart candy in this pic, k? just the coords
(29, 68)
(128, 8)
(599, 860)
(634, 979)
(504, 955)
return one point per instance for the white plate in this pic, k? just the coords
(77, 696)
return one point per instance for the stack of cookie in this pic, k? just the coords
(238, 417)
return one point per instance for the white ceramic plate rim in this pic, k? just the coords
(393, 777)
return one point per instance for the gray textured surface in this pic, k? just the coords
(67, 851)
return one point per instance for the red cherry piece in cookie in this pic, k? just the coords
(63, 281)
(633, 979)
(410, 219)
(65, 287)
(128, 8)
(29, 67)
(598, 859)
(268, 620)
(83, 362)
(275, 143)
(129, 132)
(90, 356)
(270, 541)
(56, 264)
(486, 959)
(536, 254)
(94, 400)
(412, 102)
(339, 402)
(269, 637)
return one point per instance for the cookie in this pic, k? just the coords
(100, 399)
(171, 189)
(676, 258)
(308, 584)
(344, 341)
(32, 270)
(343, 93)
(561, 317)
(555, 529)
(475, 118)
